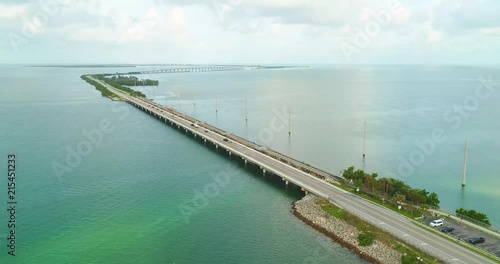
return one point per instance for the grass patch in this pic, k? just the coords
(334, 211)
(379, 202)
(104, 91)
(377, 233)
(366, 239)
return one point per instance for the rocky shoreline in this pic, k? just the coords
(309, 211)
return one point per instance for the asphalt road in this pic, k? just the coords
(463, 233)
(384, 218)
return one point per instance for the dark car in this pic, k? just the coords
(476, 240)
(447, 229)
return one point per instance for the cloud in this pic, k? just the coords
(259, 30)
(13, 12)
(455, 17)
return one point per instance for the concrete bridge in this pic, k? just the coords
(310, 180)
(199, 69)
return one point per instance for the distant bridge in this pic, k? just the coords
(200, 69)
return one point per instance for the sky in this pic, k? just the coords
(250, 31)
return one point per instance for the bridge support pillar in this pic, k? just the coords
(286, 182)
(264, 171)
(230, 153)
(205, 140)
(246, 161)
(216, 146)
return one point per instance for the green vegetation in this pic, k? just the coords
(377, 233)
(410, 258)
(104, 92)
(115, 84)
(390, 191)
(366, 239)
(335, 211)
(133, 81)
(483, 218)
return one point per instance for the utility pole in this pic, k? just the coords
(465, 161)
(246, 110)
(289, 122)
(364, 143)
(216, 105)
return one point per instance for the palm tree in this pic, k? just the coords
(386, 184)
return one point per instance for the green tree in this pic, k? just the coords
(432, 199)
(474, 215)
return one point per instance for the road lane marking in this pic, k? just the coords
(316, 184)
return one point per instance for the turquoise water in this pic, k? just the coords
(122, 203)
(402, 105)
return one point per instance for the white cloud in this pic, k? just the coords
(11, 12)
(261, 30)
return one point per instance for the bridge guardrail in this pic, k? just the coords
(316, 172)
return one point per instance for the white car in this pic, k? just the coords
(438, 222)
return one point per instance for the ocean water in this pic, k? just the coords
(135, 197)
(141, 192)
(404, 107)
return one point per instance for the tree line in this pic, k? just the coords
(104, 92)
(133, 81)
(391, 189)
(117, 85)
(483, 218)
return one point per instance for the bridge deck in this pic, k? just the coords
(381, 217)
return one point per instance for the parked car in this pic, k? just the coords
(437, 222)
(447, 229)
(476, 240)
